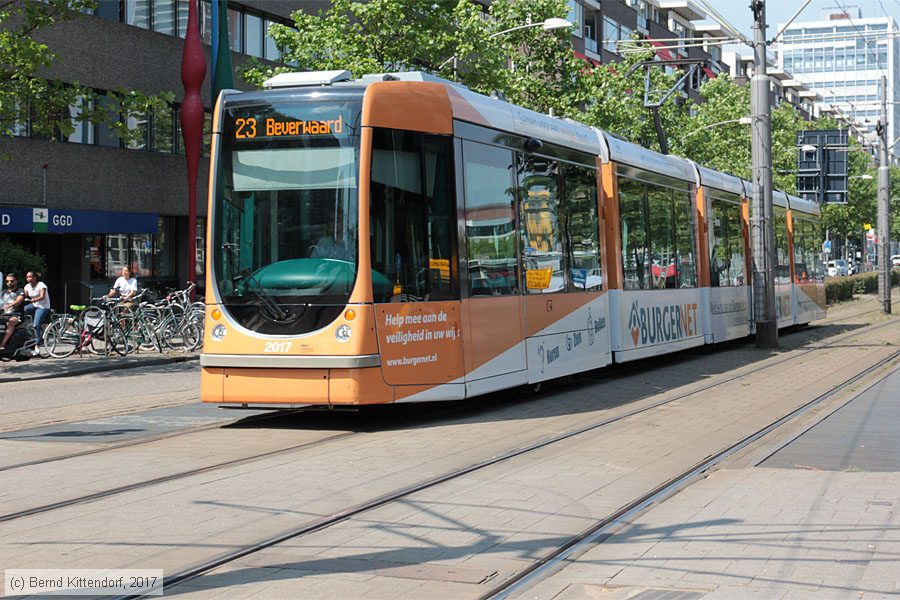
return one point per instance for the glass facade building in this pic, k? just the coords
(844, 58)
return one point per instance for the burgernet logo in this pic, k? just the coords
(634, 322)
(663, 324)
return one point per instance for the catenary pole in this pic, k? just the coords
(884, 207)
(761, 226)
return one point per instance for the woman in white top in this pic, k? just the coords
(126, 285)
(38, 298)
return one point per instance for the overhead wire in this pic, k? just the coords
(791, 20)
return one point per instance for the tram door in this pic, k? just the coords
(493, 313)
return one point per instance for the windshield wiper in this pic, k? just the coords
(270, 309)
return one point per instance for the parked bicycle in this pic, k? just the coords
(22, 345)
(96, 328)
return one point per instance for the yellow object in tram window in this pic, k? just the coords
(398, 289)
(538, 279)
(442, 265)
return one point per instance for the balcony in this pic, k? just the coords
(687, 9)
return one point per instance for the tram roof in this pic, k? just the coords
(805, 206)
(499, 114)
(780, 198)
(720, 181)
(627, 153)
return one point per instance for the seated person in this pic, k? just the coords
(333, 247)
(13, 299)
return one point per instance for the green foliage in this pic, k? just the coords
(17, 260)
(25, 92)
(838, 289)
(724, 147)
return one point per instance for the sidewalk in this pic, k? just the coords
(51, 368)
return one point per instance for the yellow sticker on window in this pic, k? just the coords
(538, 279)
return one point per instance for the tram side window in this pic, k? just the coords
(734, 252)
(685, 265)
(412, 214)
(801, 273)
(633, 225)
(582, 228)
(663, 266)
(718, 262)
(541, 225)
(490, 220)
(727, 251)
(814, 252)
(810, 251)
(782, 257)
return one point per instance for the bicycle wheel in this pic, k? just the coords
(116, 338)
(94, 334)
(170, 334)
(61, 337)
(191, 336)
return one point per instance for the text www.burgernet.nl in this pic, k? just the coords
(412, 360)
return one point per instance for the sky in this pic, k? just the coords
(738, 12)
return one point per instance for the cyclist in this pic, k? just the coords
(13, 298)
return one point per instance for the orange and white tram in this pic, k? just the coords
(401, 238)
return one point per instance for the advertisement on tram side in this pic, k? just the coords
(579, 341)
(651, 322)
(420, 342)
(784, 304)
(729, 312)
(810, 302)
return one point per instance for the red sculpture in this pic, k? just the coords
(193, 72)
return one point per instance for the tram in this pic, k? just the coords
(400, 238)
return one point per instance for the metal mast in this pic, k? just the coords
(761, 227)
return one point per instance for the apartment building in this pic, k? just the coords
(603, 26)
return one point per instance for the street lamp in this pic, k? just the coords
(866, 177)
(742, 121)
(547, 25)
(551, 24)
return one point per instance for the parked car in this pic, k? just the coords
(837, 268)
(895, 260)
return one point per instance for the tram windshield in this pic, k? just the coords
(286, 222)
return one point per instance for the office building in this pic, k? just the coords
(843, 57)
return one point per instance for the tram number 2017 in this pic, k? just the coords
(277, 346)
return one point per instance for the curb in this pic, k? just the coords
(110, 366)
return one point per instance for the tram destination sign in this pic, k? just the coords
(303, 120)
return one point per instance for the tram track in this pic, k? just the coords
(167, 478)
(601, 530)
(680, 479)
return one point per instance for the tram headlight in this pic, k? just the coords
(342, 333)
(218, 333)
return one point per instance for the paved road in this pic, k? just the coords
(32, 403)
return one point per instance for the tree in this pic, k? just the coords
(616, 105)
(26, 95)
(709, 139)
(450, 38)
